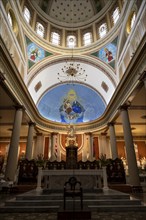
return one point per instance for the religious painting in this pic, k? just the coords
(71, 104)
(35, 53)
(108, 53)
(71, 108)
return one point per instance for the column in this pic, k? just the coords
(54, 147)
(63, 39)
(89, 146)
(145, 83)
(29, 145)
(84, 150)
(142, 78)
(79, 38)
(33, 21)
(94, 32)
(113, 141)
(46, 147)
(39, 145)
(130, 152)
(11, 166)
(102, 143)
(51, 148)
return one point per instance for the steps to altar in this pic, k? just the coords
(107, 201)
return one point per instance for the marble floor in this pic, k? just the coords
(132, 215)
(95, 216)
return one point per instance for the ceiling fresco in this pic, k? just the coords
(35, 53)
(71, 103)
(108, 53)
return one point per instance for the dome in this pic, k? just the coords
(70, 11)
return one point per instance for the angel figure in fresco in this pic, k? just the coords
(34, 54)
(108, 54)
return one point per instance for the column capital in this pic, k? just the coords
(39, 134)
(31, 123)
(19, 107)
(111, 124)
(103, 133)
(2, 78)
(89, 133)
(54, 133)
(124, 107)
(143, 76)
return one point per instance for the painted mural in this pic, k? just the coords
(71, 104)
(108, 53)
(35, 53)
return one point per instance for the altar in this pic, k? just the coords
(55, 179)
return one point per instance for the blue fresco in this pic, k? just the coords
(108, 53)
(71, 104)
(35, 53)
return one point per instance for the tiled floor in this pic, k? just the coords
(95, 215)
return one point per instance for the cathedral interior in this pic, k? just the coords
(73, 89)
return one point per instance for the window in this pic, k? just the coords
(71, 41)
(132, 20)
(40, 30)
(55, 38)
(27, 15)
(10, 19)
(87, 38)
(116, 15)
(102, 30)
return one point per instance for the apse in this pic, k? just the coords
(71, 103)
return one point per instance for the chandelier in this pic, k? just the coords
(72, 73)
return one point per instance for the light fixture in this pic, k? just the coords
(72, 72)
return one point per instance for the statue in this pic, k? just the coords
(71, 131)
(71, 137)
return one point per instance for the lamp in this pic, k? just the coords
(72, 72)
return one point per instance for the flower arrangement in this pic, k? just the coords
(40, 161)
(103, 161)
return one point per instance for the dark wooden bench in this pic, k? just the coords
(73, 188)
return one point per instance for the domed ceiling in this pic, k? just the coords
(67, 102)
(71, 11)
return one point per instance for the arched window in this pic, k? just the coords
(116, 15)
(102, 30)
(40, 30)
(55, 38)
(131, 21)
(87, 38)
(10, 19)
(133, 17)
(27, 14)
(71, 41)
